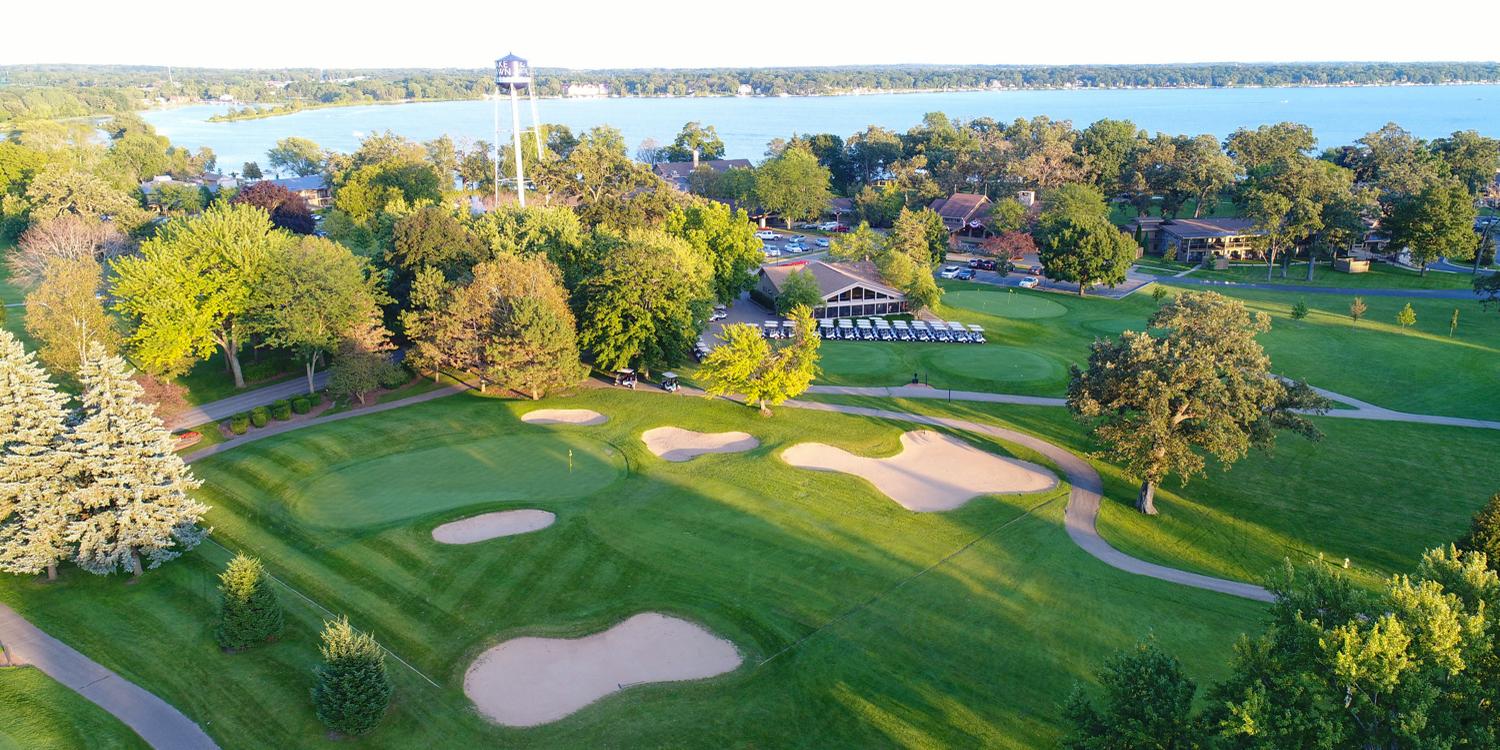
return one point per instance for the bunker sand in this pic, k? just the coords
(932, 473)
(677, 444)
(528, 681)
(492, 525)
(563, 416)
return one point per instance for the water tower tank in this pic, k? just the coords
(512, 73)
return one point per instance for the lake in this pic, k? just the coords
(1337, 115)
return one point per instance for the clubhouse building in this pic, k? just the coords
(847, 292)
(1196, 240)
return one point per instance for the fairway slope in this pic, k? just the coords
(933, 472)
(676, 444)
(525, 682)
(493, 525)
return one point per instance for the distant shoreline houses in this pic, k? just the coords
(313, 188)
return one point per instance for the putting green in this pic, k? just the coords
(996, 362)
(1005, 304)
(532, 467)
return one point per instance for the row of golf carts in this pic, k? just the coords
(880, 329)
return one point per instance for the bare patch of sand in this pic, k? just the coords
(677, 444)
(491, 525)
(525, 682)
(563, 416)
(933, 472)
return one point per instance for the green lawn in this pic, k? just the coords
(1377, 493)
(1035, 336)
(815, 577)
(40, 714)
(1380, 276)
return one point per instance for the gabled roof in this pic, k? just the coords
(297, 184)
(1192, 229)
(832, 279)
(681, 169)
(960, 207)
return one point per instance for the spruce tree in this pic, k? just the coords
(33, 470)
(249, 612)
(132, 490)
(353, 689)
(1484, 533)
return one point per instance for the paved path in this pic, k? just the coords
(155, 720)
(225, 408)
(1082, 513)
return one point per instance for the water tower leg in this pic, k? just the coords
(536, 122)
(515, 130)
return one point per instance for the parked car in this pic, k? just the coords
(1030, 282)
(949, 272)
(766, 234)
(982, 264)
(822, 242)
(719, 313)
(828, 226)
(773, 252)
(964, 275)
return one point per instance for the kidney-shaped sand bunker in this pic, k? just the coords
(933, 472)
(677, 444)
(528, 681)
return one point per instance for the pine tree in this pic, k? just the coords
(132, 493)
(1484, 533)
(353, 689)
(33, 469)
(249, 612)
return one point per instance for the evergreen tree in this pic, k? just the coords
(249, 612)
(33, 469)
(353, 689)
(1148, 705)
(1484, 533)
(132, 489)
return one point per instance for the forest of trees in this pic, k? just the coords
(51, 91)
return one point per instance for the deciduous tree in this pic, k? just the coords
(647, 303)
(64, 314)
(696, 136)
(1434, 222)
(287, 209)
(793, 185)
(799, 290)
(312, 295)
(745, 364)
(725, 238)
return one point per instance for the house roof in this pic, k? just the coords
(681, 169)
(297, 184)
(831, 278)
(1191, 229)
(960, 207)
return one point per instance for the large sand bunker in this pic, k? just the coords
(677, 444)
(563, 416)
(933, 472)
(491, 525)
(528, 681)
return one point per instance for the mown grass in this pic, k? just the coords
(815, 577)
(1419, 369)
(41, 714)
(1380, 276)
(1377, 493)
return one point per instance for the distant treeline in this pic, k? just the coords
(53, 91)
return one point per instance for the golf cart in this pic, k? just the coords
(883, 330)
(919, 327)
(669, 382)
(846, 330)
(940, 331)
(771, 329)
(866, 331)
(625, 377)
(903, 330)
(976, 333)
(960, 333)
(826, 329)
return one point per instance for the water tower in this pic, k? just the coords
(513, 74)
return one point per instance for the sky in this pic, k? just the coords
(714, 33)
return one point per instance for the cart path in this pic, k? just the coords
(1361, 410)
(155, 720)
(1082, 513)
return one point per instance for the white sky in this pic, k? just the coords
(760, 33)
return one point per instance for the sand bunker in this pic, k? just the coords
(677, 444)
(524, 682)
(933, 472)
(564, 416)
(491, 525)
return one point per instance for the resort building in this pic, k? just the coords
(846, 291)
(1194, 240)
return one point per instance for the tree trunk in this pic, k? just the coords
(1423, 274)
(135, 566)
(312, 363)
(51, 571)
(1270, 264)
(1145, 501)
(233, 358)
(1311, 261)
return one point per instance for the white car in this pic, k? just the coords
(1030, 282)
(766, 234)
(772, 252)
(949, 272)
(828, 226)
(822, 242)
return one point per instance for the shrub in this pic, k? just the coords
(353, 689)
(281, 410)
(239, 424)
(249, 612)
(259, 416)
(301, 405)
(1300, 310)
(394, 375)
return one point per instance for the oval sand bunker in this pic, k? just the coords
(528, 681)
(492, 525)
(563, 416)
(933, 472)
(677, 444)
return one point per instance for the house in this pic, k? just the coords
(847, 292)
(1194, 240)
(676, 172)
(313, 188)
(963, 214)
(587, 90)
